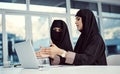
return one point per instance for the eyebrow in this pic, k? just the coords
(78, 17)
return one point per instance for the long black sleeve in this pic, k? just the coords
(94, 53)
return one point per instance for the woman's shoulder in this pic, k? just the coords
(97, 37)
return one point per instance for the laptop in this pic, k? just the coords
(26, 55)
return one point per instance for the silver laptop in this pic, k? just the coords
(26, 55)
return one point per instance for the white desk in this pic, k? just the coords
(65, 70)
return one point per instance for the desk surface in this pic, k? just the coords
(64, 70)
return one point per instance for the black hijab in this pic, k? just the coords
(90, 44)
(62, 38)
(89, 27)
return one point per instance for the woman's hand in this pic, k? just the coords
(53, 51)
(41, 53)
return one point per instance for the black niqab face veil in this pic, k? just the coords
(57, 31)
(60, 35)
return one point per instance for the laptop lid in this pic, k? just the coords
(26, 54)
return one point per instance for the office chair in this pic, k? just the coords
(113, 60)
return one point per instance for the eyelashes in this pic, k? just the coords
(78, 18)
(57, 29)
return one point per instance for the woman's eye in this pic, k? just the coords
(78, 19)
(57, 29)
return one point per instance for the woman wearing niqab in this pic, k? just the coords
(60, 37)
(90, 47)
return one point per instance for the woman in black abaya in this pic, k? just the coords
(60, 37)
(90, 47)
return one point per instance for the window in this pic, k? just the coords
(111, 27)
(40, 31)
(14, 1)
(110, 10)
(13, 4)
(111, 31)
(118, 47)
(76, 5)
(56, 6)
(15, 28)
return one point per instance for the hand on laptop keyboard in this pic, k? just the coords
(41, 53)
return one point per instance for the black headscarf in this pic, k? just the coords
(90, 27)
(62, 38)
(90, 45)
